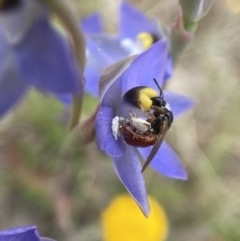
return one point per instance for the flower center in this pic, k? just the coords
(146, 39)
(8, 4)
(132, 47)
(143, 41)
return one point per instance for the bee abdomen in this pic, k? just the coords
(136, 137)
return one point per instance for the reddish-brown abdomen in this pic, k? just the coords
(135, 137)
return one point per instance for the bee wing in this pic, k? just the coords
(157, 144)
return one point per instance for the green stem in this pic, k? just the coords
(63, 11)
(190, 26)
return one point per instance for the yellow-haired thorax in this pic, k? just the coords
(146, 39)
(8, 4)
(144, 98)
(122, 220)
(140, 97)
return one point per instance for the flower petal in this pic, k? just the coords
(92, 24)
(92, 78)
(166, 162)
(128, 169)
(178, 103)
(111, 45)
(12, 86)
(97, 60)
(110, 89)
(26, 233)
(169, 69)
(17, 20)
(65, 99)
(125, 109)
(133, 22)
(11, 91)
(148, 65)
(105, 138)
(45, 60)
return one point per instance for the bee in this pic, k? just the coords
(154, 128)
(161, 120)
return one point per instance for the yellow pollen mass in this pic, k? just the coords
(146, 40)
(122, 220)
(144, 98)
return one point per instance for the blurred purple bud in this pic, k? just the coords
(25, 233)
(33, 54)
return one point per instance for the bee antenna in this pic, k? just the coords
(161, 92)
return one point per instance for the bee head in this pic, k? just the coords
(158, 101)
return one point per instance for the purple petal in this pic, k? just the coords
(92, 24)
(92, 78)
(111, 46)
(128, 169)
(133, 22)
(113, 95)
(97, 60)
(27, 233)
(4, 46)
(45, 60)
(65, 99)
(11, 91)
(16, 20)
(169, 70)
(178, 103)
(110, 84)
(125, 108)
(166, 162)
(105, 138)
(148, 65)
(12, 86)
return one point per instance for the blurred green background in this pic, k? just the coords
(65, 199)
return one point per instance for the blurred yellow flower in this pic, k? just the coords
(123, 221)
(234, 5)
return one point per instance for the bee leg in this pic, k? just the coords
(132, 114)
(152, 118)
(158, 109)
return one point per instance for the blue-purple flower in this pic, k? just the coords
(115, 82)
(25, 233)
(136, 34)
(33, 54)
